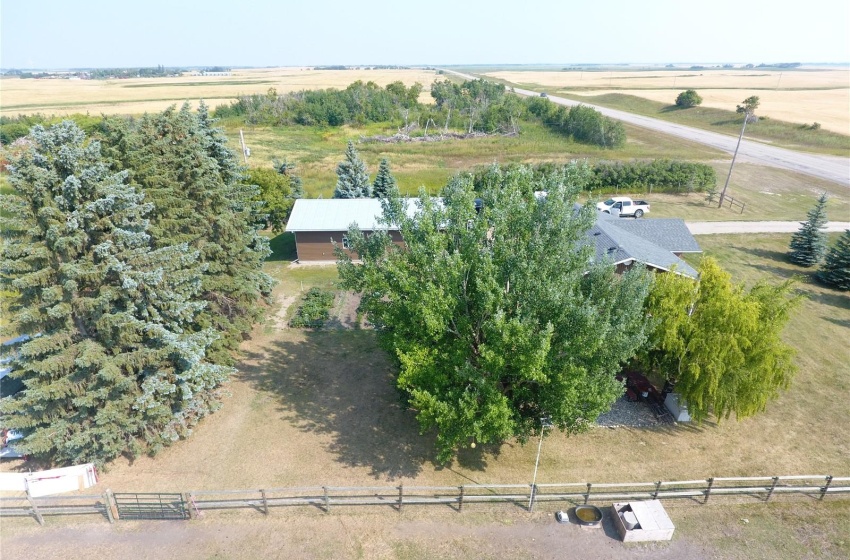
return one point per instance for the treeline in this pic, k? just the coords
(581, 123)
(135, 253)
(660, 175)
(359, 103)
(151, 72)
(12, 128)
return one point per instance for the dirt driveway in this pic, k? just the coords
(497, 535)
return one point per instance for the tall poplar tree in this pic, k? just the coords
(352, 177)
(497, 314)
(115, 365)
(195, 183)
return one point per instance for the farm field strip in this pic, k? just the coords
(62, 96)
(797, 96)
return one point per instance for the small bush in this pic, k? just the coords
(314, 311)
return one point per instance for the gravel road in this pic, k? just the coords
(831, 168)
(704, 228)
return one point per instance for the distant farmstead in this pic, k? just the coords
(658, 243)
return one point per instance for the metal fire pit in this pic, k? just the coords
(589, 516)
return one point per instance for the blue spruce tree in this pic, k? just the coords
(117, 364)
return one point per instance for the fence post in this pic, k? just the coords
(825, 488)
(327, 500)
(708, 490)
(400, 496)
(107, 502)
(35, 511)
(265, 502)
(587, 496)
(657, 488)
(460, 501)
(772, 488)
(189, 499)
(533, 492)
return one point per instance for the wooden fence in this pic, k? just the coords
(324, 498)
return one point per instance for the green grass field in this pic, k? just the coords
(317, 151)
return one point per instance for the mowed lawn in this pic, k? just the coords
(320, 408)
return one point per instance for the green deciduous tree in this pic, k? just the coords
(499, 315)
(719, 344)
(688, 98)
(276, 195)
(836, 267)
(385, 184)
(808, 245)
(352, 177)
(749, 105)
(117, 366)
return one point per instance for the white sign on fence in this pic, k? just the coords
(53, 481)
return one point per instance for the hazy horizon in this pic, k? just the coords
(54, 34)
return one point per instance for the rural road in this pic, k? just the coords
(831, 168)
(705, 228)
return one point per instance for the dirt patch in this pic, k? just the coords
(280, 320)
(344, 314)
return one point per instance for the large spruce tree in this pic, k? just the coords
(836, 267)
(352, 177)
(116, 364)
(808, 245)
(185, 169)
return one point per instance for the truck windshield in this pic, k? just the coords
(610, 202)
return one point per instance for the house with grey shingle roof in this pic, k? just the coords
(654, 242)
(657, 243)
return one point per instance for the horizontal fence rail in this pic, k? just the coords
(525, 496)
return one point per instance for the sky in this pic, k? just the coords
(133, 33)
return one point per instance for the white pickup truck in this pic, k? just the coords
(624, 206)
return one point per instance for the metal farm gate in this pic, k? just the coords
(132, 506)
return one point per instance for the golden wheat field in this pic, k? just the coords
(798, 96)
(133, 96)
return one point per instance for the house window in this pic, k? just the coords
(346, 244)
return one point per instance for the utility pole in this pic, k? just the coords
(245, 151)
(747, 116)
(544, 423)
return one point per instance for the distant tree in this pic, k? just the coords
(352, 177)
(497, 314)
(749, 106)
(287, 168)
(836, 267)
(688, 98)
(719, 345)
(808, 245)
(385, 184)
(120, 366)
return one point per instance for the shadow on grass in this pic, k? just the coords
(840, 322)
(340, 384)
(283, 248)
